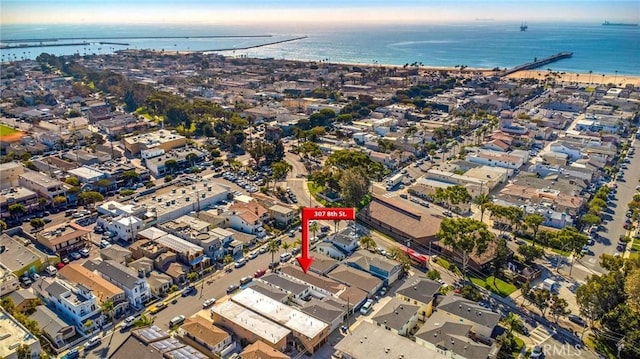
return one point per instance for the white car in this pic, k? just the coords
(128, 322)
(209, 302)
(93, 342)
(253, 255)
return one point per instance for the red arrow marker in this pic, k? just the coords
(308, 214)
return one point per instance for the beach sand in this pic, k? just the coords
(583, 78)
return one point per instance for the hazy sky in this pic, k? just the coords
(317, 12)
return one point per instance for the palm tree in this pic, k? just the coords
(483, 200)
(273, 247)
(313, 228)
(367, 242)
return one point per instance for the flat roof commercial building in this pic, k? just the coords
(311, 332)
(161, 139)
(14, 335)
(250, 325)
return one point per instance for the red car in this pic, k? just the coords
(259, 273)
(59, 265)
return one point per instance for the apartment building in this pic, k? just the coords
(42, 184)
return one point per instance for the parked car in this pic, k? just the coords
(578, 320)
(232, 288)
(188, 291)
(93, 342)
(84, 252)
(158, 307)
(240, 263)
(75, 255)
(253, 255)
(128, 322)
(209, 302)
(259, 273)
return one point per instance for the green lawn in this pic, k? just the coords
(501, 287)
(636, 245)
(6, 130)
(315, 189)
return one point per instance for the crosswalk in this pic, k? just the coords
(390, 194)
(539, 335)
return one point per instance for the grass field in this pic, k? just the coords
(501, 287)
(6, 130)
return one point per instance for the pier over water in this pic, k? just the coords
(538, 63)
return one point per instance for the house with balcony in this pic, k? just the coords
(198, 232)
(104, 290)
(76, 304)
(483, 322)
(54, 328)
(573, 151)
(187, 253)
(125, 228)
(283, 215)
(133, 284)
(454, 340)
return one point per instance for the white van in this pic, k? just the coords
(285, 257)
(176, 321)
(51, 270)
(366, 308)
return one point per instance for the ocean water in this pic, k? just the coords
(597, 48)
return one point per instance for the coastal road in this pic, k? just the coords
(616, 214)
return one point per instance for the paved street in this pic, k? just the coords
(615, 216)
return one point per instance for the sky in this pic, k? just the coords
(251, 12)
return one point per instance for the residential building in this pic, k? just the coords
(262, 350)
(24, 299)
(456, 309)
(387, 270)
(10, 174)
(153, 343)
(63, 238)
(571, 150)
(295, 291)
(188, 253)
(43, 185)
(159, 283)
(14, 334)
(198, 232)
(161, 139)
(397, 316)
(135, 286)
(420, 292)
(76, 304)
(283, 215)
(104, 290)
(346, 240)
(356, 278)
(202, 335)
(125, 228)
(368, 340)
(310, 332)
(327, 310)
(54, 328)
(453, 339)
(496, 159)
(249, 325)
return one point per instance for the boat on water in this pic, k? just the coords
(524, 26)
(607, 23)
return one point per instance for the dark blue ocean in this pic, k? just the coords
(597, 48)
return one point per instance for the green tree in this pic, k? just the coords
(23, 352)
(533, 222)
(192, 276)
(558, 307)
(228, 259)
(59, 200)
(17, 209)
(103, 184)
(88, 325)
(433, 274)
(483, 201)
(142, 321)
(402, 257)
(280, 170)
(107, 308)
(367, 242)
(130, 177)
(354, 186)
(590, 219)
(72, 181)
(466, 236)
(37, 223)
(273, 247)
(573, 240)
(313, 228)
(530, 253)
(8, 304)
(3, 226)
(90, 197)
(171, 165)
(540, 298)
(501, 258)
(512, 321)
